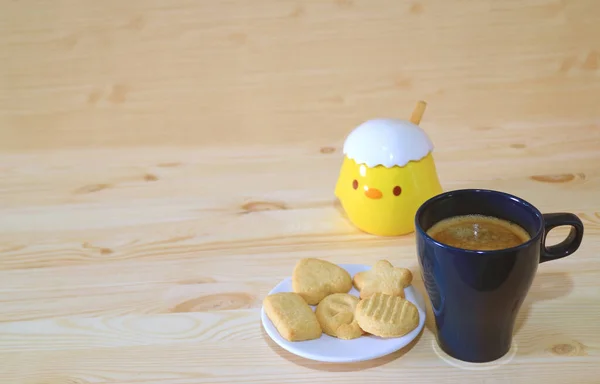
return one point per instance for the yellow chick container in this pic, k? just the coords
(388, 171)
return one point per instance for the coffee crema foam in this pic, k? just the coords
(478, 232)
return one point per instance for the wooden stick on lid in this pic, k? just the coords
(417, 114)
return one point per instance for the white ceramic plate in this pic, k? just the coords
(334, 350)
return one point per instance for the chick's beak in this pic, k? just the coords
(373, 193)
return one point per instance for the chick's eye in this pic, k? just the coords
(397, 190)
(355, 184)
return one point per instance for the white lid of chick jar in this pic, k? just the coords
(387, 142)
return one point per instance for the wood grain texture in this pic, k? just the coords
(163, 164)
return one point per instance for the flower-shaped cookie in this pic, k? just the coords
(382, 278)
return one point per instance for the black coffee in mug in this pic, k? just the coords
(479, 251)
(478, 232)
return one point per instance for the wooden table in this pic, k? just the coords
(163, 164)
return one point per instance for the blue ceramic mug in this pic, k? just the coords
(476, 295)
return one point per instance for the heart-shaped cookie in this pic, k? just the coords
(314, 279)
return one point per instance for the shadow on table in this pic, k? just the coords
(545, 286)
(338, 367)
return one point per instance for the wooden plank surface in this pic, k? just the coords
(163, 164)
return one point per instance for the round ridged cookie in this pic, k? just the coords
(387, 316)
(335, 313)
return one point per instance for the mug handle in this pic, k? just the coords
(568, 245)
